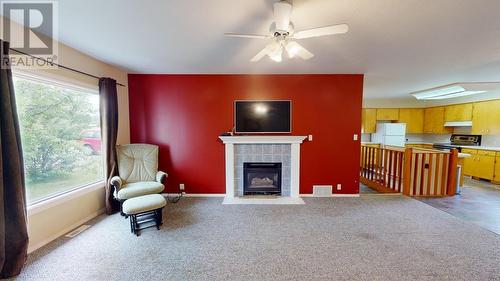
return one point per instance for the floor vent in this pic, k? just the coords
(322, 190)
(77, 231)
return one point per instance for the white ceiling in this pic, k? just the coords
(400, 45)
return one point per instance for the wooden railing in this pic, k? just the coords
(411, 171)
(382, 169)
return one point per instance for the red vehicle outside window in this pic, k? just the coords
(91, 140)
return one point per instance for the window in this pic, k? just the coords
(60, 135)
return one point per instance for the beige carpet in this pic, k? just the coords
(368, 238)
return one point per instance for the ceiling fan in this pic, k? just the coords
(283, 35)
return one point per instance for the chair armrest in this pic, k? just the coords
(161, 176)
(117, 182)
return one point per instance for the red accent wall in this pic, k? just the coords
(185, 114)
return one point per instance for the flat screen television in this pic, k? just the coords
(263, 116)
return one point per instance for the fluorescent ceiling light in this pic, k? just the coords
(437, 92)
(454, 91)
(456, 95)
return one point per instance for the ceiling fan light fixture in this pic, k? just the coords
(276, 55)
(282, 30)
(292, 48)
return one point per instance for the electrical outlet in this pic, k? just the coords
(181, 187)
(310, 138)
(339, 186)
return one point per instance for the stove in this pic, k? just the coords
(457, 141)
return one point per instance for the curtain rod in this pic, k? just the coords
(61, 66)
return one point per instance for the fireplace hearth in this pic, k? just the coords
(262, 178)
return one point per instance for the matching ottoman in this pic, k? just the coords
(144, 211)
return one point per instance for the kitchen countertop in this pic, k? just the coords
(492, 148)
(482, 147)
(419, 142)
(460, 155)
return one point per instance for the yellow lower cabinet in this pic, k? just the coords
(485, 167)
(496, 177)
(470, 162)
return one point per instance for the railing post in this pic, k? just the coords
(452, 172)
(407, 171)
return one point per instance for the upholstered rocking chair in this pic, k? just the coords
(138, 173)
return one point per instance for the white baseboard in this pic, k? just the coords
(202, 194)
(53, 237)
(333, 195)
(345, 195)
(224, 195)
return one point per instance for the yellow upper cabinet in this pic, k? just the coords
(458, 112)
(486, 118)
(384, 114)
(434, 121)
(369, 120)
(414, 119)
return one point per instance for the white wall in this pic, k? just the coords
(50, 220)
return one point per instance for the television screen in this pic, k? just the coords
(262, 116)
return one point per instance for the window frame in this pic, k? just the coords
(59, 197)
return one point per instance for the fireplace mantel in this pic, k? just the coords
(263, 139)
(293, 141)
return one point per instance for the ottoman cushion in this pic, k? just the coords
(134, 189)
(143, 204)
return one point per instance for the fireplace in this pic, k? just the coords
(261, 178)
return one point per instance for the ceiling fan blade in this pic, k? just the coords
(295, 49)
(273, 50)
(260, 55)
(322, 31)
(254, 36)
(282, 13)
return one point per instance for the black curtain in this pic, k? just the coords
(13, 229)
(109, 129)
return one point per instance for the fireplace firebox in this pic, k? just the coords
(262, 178)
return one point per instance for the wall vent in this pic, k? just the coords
(77, 231)
(322, 190)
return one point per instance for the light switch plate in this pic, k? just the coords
(339, 186)
(355, 137)
(310, 137)
(181, 187)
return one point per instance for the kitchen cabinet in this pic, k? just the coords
(486, 118)
(369, 120)
(434, 121)
(469, 162)
(481, 164)
(485, 165)
(458, 112)
(496, 176)
(419, 145)
(387, 114)
(414, 119)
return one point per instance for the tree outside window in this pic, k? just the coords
(60, 136)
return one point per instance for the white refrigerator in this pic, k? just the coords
(393, 134)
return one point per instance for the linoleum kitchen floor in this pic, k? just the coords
(366, 238)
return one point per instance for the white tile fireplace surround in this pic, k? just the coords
(263, 149)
